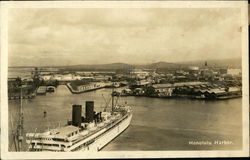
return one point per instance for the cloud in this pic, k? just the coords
(83, 36)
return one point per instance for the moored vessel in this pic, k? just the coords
(89, 133)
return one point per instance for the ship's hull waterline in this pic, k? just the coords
(89, 133)
(101, 138)
(109, 135)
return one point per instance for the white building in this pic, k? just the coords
(139, 73)
(46, 77)
(234, 71)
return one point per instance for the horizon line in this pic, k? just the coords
(147, 63)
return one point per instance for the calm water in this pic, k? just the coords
(157, 124)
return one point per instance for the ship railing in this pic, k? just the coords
(107, 127)
(34, 143)
(113, 123)
(46, 141)
(44, 147)
(91, 137)
(88, 135)
(116, 123)
(84, 140)
(98, 128)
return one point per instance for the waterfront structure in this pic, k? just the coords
(222, 93)
(179, 84)
(139, 91)
(41, 90)
(208, 92)
(72, 77)
(85, 87)
(166, 90)
(182, 80)
(91, 86)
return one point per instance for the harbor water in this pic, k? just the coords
(157, 123)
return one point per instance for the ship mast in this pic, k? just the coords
(112, 96)
(20, 125)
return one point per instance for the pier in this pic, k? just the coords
(85, 88)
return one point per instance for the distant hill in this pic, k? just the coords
(232, 63)
(165, 65)
(120, 66)
(112, 66)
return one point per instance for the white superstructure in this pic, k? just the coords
(87, 135)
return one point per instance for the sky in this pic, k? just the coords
(40, 37)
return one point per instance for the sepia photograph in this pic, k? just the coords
(124, 79)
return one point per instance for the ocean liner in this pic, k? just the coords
(89, 133)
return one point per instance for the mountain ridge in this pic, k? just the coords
(235, 63)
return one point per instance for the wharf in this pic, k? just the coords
(224, 97)
(23, 97)
(88, 89)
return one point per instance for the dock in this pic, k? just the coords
(85, 88)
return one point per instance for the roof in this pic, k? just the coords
(138, 89)
(163, 85)
(62, 132)
(65, 131)
(216, 91)
(179, 84)
(142, 82)
(233, 89)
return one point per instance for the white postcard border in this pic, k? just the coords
(122, 4)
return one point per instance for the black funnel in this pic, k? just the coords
(76, 115)
(89, 111)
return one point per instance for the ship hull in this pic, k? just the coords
(94, 141)
(108, 136)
